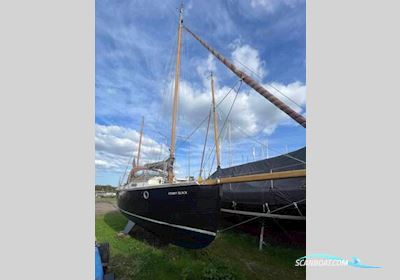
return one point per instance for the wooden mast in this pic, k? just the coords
(140, 142)
(175, 102)
(216, 136)
(252, 83)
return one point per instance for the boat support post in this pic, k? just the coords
(129, 226)
(260, 244)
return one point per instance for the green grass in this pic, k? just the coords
(230, 256)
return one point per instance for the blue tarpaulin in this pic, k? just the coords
(98, 266)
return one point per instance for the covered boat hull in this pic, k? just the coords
(282, 196)
(185, 214)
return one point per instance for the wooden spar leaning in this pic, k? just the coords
(175, 102)
(256, 177)
(252, 83)
(216, 136)
(140, 142)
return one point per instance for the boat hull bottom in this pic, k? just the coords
(187, 215)
(187, 239)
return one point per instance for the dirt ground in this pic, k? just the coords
(103, 207)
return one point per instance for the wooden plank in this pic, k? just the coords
(256, 177)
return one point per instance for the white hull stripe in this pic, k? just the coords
(168, 224)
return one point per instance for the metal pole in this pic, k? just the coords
(272, 182)
(260, 244)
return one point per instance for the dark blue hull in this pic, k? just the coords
(186, 215)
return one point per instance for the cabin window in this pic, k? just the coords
(152, 173)
(139, 173)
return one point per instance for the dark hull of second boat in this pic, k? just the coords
(261, 199)
(186, 215)
(282, 197)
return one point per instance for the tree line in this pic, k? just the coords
(104, 188)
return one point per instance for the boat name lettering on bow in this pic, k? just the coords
(178, 193)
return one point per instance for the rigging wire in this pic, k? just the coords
(202, 122)
(126, 169)
(181, 115)
(167, 83)
(260, 79)
(205, 143)
(222, 129)
(250, 137)
(268, 85)
(261, 143)
(174, 11)
(168, 69)
(226, 119)
(218, 103)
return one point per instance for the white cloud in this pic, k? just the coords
(245, 57)
(104, 164)
(130, 59)
(251, 113)
(271, 5)
(268, 117)
(205, 67)
(116, 144)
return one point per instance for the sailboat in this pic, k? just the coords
(186, 213)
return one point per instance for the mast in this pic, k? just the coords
(140, 142)
(175, 102)
(217, 152)
(252, 83)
